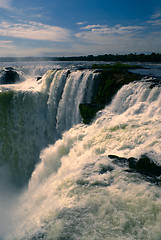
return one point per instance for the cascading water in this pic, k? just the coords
(32, 119)
(76, 191)
(77, 90)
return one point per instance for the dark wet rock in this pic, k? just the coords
(120, 161)
(110, 79)
(147, 166)
(132, 162)
(9, 76)
(68, 72)
(9, 68)
(97, 70)
(155, 81)
(88, 111)
(109, 82)
(38, 78)
(148, 169)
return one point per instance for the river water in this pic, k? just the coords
(53, 183)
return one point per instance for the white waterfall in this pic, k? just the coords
(68, 196)
(35, 115)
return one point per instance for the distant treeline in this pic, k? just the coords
(153, 57)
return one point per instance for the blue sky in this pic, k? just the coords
(79, 27)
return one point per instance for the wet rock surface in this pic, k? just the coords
(9, 76)
(110, 81)
(146, 167)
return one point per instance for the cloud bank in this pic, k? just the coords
(44, 40)
(156, 15)
(34, 31)
(102, 33)
(6, 4)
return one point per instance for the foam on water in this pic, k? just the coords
(34, 114)
(69, 198)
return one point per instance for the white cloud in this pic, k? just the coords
(156, 15)
(6, 46)
(91, 39)
(4, 42)
(155, 22)
(34, 31)
(95, 33)
(122, 43)
(127, 29)
(93, 26)
(116, 39)
(81, 23)
(5, 4)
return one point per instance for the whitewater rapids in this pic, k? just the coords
(67, 196)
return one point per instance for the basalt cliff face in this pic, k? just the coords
(111, 79)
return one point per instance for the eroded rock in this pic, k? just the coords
(145, 166)
(9, 76)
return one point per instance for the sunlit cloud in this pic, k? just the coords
(155, 22)
(156, 15)
(124, 43)
(6, 46)
(4, 42)
(34, 31)
(117, 39)
(93, 26)
(89, 39)
(81, 23)
(6, 4)
(127, 29)
(101, 32)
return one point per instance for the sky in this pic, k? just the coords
(79, 27)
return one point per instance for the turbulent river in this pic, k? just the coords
(57, 181)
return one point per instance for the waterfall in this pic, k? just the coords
(77, 90)
(78, 192)
(31, 119)
(74, 189)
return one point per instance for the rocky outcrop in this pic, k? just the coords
(38, 78)
(155, 82)
(9, 75)
(110, 81)
(145, 166)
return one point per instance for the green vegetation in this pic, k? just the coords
(89, 110)
(5, 121)
(153, 57)
(6, 100)
(116, 67)
(112, 78)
